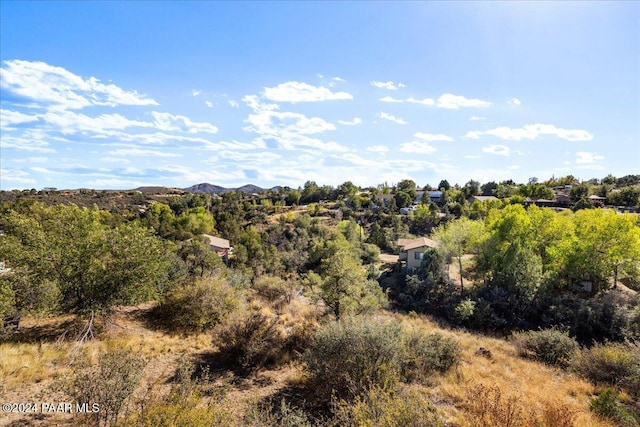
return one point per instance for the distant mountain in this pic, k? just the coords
(249, 188)
(206, 188)
(157, 190)
(216, 189)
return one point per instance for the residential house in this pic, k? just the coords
(412, 251)
(436, 196)
(220, 246)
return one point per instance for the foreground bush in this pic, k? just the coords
(426, 353)
(487, 406)
(353, 355)
(607, 405)
(349, 357)
(108, 383)
(384, 408)
(198, 306)
(184, 405)
(550, 346)
(615, 365)
(251, 340)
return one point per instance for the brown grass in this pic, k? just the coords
(532, 390)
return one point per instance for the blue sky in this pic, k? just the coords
(115, 95)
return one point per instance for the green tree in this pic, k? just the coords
(94, 267)
(408, 186)
(342, 283)
(457, 238)
(444, 185)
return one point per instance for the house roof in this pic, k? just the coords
(217, 242)
(408, 244)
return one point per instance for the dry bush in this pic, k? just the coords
(185, 405)
(251, 340)
(271, 288)
(386, 408)
(489, 407)
(198, 306)
(551, 346)
(261, 414)
(426, 353)
(348, 357)
(616, 365)
(109, 384)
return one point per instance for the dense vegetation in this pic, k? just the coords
(305, 285)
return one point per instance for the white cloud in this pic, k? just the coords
(338, 79)
(69, 122)
(290, 130)
(583, 157)
(500, 150)
(115, 160)
(9, 117)
(302, 92)
(250, 159)
(411, 100)
(57, 88)
(417, 147)
(234, 104)
(29, 141)
(378, 149)
(391, 118)
(432, 137)
(16, 175)
(170, 123)
(355, 121)
(134, 151)
(453, 102)
(195, 92)
(471, 156)
(208, 104)
(532, 132)
(425, 101)
(387, 85)
(514, 101)
(475, 118)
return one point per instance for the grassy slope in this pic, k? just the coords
(27, 370)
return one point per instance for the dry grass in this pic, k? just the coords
(28, 369)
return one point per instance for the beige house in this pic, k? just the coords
(412, 251)
(219, 246)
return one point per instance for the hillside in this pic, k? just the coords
(29, 371)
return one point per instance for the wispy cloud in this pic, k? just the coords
(56, 88)
(410, 100)
(391, 118)
(355, 121)
(500, 150)
(289, 129)
(195, 92)
(431, 137)
(584, 157)
(378, 149)
(170, 123)
(9, 118)
(134, 151)
(208, 104)
(533, 132)
(453, 102)
(294, 92)
(388, 85)
(476, 118)
(417, 147)
(514, 101)
(234, 104)
(16, 175)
